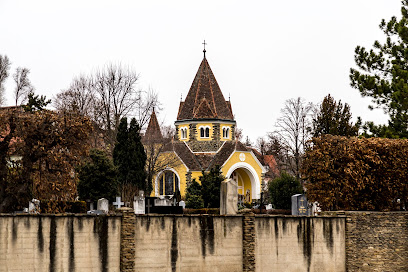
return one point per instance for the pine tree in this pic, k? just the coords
(97, 177)
(211, 186)
(383, 76)
(194, 199)
(129, 155)
(334, 118)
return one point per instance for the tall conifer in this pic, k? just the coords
(129, 155)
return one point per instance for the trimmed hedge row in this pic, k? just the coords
(357, 174)
(56, 206)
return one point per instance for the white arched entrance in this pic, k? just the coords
(160, 176)
(253, 176)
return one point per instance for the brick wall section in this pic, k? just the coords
(248, 249)
(127, 240)
(377, 241)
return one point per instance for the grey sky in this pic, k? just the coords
(261, 52)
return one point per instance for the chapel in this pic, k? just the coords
(205, 137)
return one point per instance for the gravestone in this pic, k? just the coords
(229, 197)
(103, 205)
(118, 204)
(162, 201)
(300, 205)
(139, 203)
(34, 206)
(182, 204)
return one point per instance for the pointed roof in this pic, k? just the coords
(153, 132)
(205, 99)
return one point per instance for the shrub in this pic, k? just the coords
(281, 190)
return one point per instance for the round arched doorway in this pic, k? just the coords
(249, 186)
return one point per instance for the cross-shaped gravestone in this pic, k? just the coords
(118, 204)
(148, 206)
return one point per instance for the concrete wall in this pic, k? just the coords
(208, 243)
(59, 243)
(300, 244)
(354, 241)
(377, 241)
(188, 243)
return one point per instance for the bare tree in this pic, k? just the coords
(4, 68)
(293, 130)
(145, 103)
(159, 155)
(106, 96)
(23, 85)
(79, 97)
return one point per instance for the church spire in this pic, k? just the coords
(153, 132)
(205, 99)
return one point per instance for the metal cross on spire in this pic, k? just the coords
(204, 43)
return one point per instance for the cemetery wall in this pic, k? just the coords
(300, 243)
(239, 243)
(59, 243)
(188, 243)
(377, 241)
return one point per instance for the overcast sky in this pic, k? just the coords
(261, 52)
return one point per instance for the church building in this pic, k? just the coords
(205, 137)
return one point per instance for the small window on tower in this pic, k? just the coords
(225, 132)
(207, 132)
(202, 135)
(184, 133)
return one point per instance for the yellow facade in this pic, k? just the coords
(206, 108)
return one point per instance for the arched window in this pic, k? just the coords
(168, 183)
(225, 132)
(183, 133)
(205, 132)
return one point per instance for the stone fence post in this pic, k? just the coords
(248, 245)
(127, 240)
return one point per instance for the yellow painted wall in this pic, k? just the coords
(249, 158)
(179, 132)
(179, 167)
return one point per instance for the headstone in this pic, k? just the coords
(299, 205)
(162, 202)
(182, 204)
(139, 204)
(34, 206)
(103, 205)
(118, 203)
(229, 197)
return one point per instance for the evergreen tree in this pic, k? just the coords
(383, 76)
(97, 177)
(36, 102)
(211, 186)
(129, 155)
(194, 199)
(281, 190)
(334, 118)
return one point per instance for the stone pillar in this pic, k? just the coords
(228, 197)
(127, 240)
(248, 251)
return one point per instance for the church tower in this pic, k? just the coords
(205, 120)
(205, 138)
